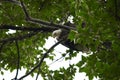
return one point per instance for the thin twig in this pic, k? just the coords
(116, 10)
(116, 13)
(41, 61)
(37, 73)
(58, 59)
(50, 64)
(42, 4)
(18, 61)
(13, 1)
(1, 46)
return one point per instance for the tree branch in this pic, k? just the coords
(13, 1)
(116, 10)
(41, 22)
(41, 61)
(38, 21)
(1, 46)
(18, 61)
(20, 37)
(38, 73)
(49, 64)
(42, 29)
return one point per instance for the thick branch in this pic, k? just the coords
(42, 29)
(20, 37)
(41, 61)
(33, 20)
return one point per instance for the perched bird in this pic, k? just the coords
(63, 34)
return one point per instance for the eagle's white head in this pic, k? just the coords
(56, 34)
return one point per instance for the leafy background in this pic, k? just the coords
(98, 27)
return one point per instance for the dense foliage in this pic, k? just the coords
(98, 28)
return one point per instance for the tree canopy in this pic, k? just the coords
(97, 26)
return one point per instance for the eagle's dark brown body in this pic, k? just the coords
(63, 34)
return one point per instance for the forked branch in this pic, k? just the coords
(43, 23)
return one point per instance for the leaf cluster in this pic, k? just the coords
(98, 28)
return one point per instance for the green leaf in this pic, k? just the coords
(2, 72)
(72, 35)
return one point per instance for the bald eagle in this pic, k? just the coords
(63, 34)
